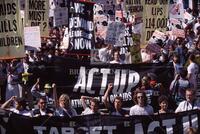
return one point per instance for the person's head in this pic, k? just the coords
(116, 56)
(20, 104)
(190, 95)
(191, 130)
(163, 102)
(145, 81)
(192, 58)
(64, 101)
(183, 73)
(94, 105)
(176, 58)
(118, 103)
(47, 88)
(140, 97)
(42, 103)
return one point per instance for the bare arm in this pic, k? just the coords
(105, 97)
(55, 97)
(83, 101)
(8, 102)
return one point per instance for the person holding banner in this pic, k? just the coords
(190, 103)
(19, 106)
(141, 107)
(42, 108)
(94, 105)
(117, 109)
(65, 108)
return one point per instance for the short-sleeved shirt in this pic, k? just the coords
(137, 110)
(185, 106)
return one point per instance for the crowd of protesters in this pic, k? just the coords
(19, 88)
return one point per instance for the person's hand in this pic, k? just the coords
(13, 98)
(38, 80)
(53, 85)
(110, 86)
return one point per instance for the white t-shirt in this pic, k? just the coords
(87, 111)
(185, 106)
(137, 110)
(193, 71)
(23, 112)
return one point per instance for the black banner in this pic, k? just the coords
(78, 78)
(102, 124)
(81, 27)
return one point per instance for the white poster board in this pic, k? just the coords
(32, 36)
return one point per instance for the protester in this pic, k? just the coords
(193, 70)
(46, 92)
(13, 81)
(179, 85)
(16, 105)
(190, 103)
(163, 103)
(93, 108)
(141, 107)
(42, 108)
(117, 109)
(116, 58)
(65, 108)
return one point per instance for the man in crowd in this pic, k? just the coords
(117, 109)
(190, 103)
(16, 105)
(93, 108)
(42, 108)
(141, 107)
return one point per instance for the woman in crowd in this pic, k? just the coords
(65, 108)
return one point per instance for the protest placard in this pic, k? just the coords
(81, 27)
(155, 16)
(37, 14)
(11, 40)
(178, 33)
(60, 16)
(32, 36)
(115, 33)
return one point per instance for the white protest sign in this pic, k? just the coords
(60, 16)
(116, 31)
(178, 33)
(65, 42)
(32, 36)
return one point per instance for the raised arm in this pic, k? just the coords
(34, 90)
(83, 101)
(8, 102)
(105, 97)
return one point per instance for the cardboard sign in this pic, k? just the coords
(11, 40)
(32, 36)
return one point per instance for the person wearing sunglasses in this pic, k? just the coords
(141, 107)
(42, 108)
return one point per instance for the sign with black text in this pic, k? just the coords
(11, 38)
(37, 14)
(81, 27)
(155, 16)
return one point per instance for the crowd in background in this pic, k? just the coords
(19, 88)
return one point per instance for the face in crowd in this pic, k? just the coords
(94, 105)
(118, 103)
(64, 101)
(140, 98)
(42, 103)
(190, 95)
